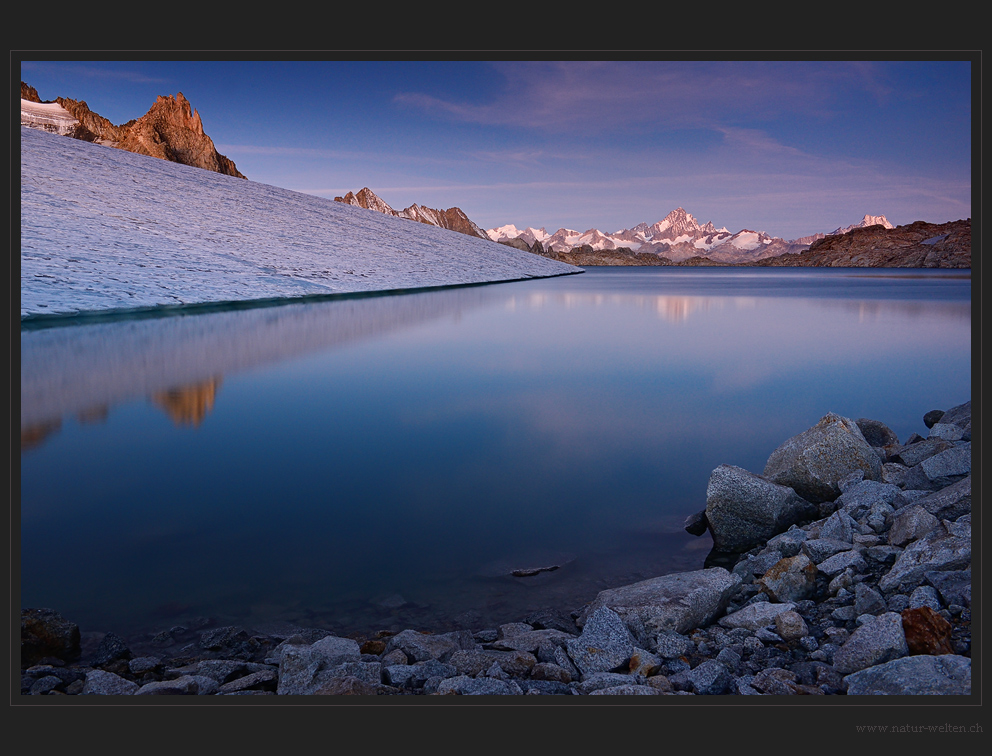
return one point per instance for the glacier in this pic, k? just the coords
(104, 230)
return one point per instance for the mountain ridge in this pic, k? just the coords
(679, 239)
(171, 129)
(453, 219)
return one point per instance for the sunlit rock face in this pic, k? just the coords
(171, 129)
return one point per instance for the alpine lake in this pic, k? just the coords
(442, 459)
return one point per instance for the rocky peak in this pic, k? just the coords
(868, 220)
(677, 223)
(171, 130)
(453, 219)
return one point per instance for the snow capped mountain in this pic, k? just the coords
(677, 237)
(868, 220)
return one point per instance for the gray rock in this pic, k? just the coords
(530, 640)
(755, 565)
(949, 503)
(627, 690)
(813, 462)
(604, 645)
(912, 454)
(839, 527)
(263, 679)
(925, 595)
(474, 661)
(820, 549)
(946, 431)
(911, 523)
(681, 601)
(789, 542)
(842, 561)
(959, 415)
(755, 616)
(462, 685)
(744, 510)
(946, 675)
(860, 499)
(894, 473)
(939, 550)
(305, 669)
(101, 683)
(550, 671)
(672, 645)
(604, 680)
(878, 641)
(867, 600)
(423, 646)
(954, 586)
(187, 685)
(947, 467)
(710, 678)
(932, 417)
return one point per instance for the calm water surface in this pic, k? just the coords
(386, 461)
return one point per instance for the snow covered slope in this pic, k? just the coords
(104, 229)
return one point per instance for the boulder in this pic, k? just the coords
(877, 641)
(942, 549)
(941, 470)
(604, 645)
(813, 462)
(744, 510)
(423, 646)
(947, 675)
(949, 503)
(680, 602)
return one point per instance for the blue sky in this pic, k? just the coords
(785, 147)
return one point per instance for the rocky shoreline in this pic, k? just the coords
(843, 569)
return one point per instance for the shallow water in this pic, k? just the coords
(386, 461)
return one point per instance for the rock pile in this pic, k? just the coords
(849, 573)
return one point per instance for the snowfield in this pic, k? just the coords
(103, 229)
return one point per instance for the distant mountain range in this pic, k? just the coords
(453, 218)
(170, 130)
(677, 237)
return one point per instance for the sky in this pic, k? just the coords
(788, 147)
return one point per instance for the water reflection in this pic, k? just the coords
(178, 363)
(188, 405)
(395, 446)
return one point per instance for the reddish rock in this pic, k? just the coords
(926, 632)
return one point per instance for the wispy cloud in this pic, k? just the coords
(597, 94)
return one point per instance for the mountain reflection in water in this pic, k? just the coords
(363, 463)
